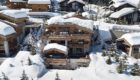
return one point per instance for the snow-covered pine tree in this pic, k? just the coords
(135, 70)
(108, 61)
(29, 61)
(122, 67)
(57, 77)
(24, 76)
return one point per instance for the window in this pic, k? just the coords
(79, 50)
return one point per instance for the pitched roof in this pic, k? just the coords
(132, 38)
(89, 24)
(6, 29)
(39, 2)
(51, 46)
(80, 1)
(15, 13)
(17, 1)
(122, 12)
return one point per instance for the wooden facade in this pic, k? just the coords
(13, 47)
(132, 18)
(76, 38)
(131, 50)
(17, 5)
(39, 7)
(76, 6)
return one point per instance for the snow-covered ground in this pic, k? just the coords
(97, 70)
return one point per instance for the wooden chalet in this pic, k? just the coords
(7, 36)
(64, 5)
(76, 5)
(39, 5)
(17, 19)
(17, 4)
(130, 43)
(70, 40)
(126, 16)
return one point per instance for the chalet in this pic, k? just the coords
(64, 5)
(39, 5)
(15, 18)
(130, 43)
(17, 4)
(118, 5)
(7, 36)
(76, 5)
(126, 16)
(69, 38)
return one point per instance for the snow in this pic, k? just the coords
(15, 13)
(51, 14)
(6, 29)
(131, 2)
(34, 71)
(39, 2)
(122, 12)
(56, 46)
(17, 1)
(97, 70)
(117, 4)
(80, 1)
(36, 20)
(132, 38)
(89, 24)
(3, 7)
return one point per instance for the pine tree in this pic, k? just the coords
(57, 77)
(29, 61)
(122, 67)
(135, 70)
(33, 51)
(108, 61)
(24, 76)
(104, 53)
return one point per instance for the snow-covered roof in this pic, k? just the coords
(117, 4)
(122, 12)
(17, 0)
(132, 38)
(80, 1)
(131, 2)
(51, 46)
(6, 29)
(15, 13)
(89, 24)
(50, 14)
(39, 2)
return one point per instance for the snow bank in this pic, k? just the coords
(6, 29)
(13, 67)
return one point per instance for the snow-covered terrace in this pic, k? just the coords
(39, 2)
(6, 29)
(122, 12)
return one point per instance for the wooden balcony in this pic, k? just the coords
(69, 36)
